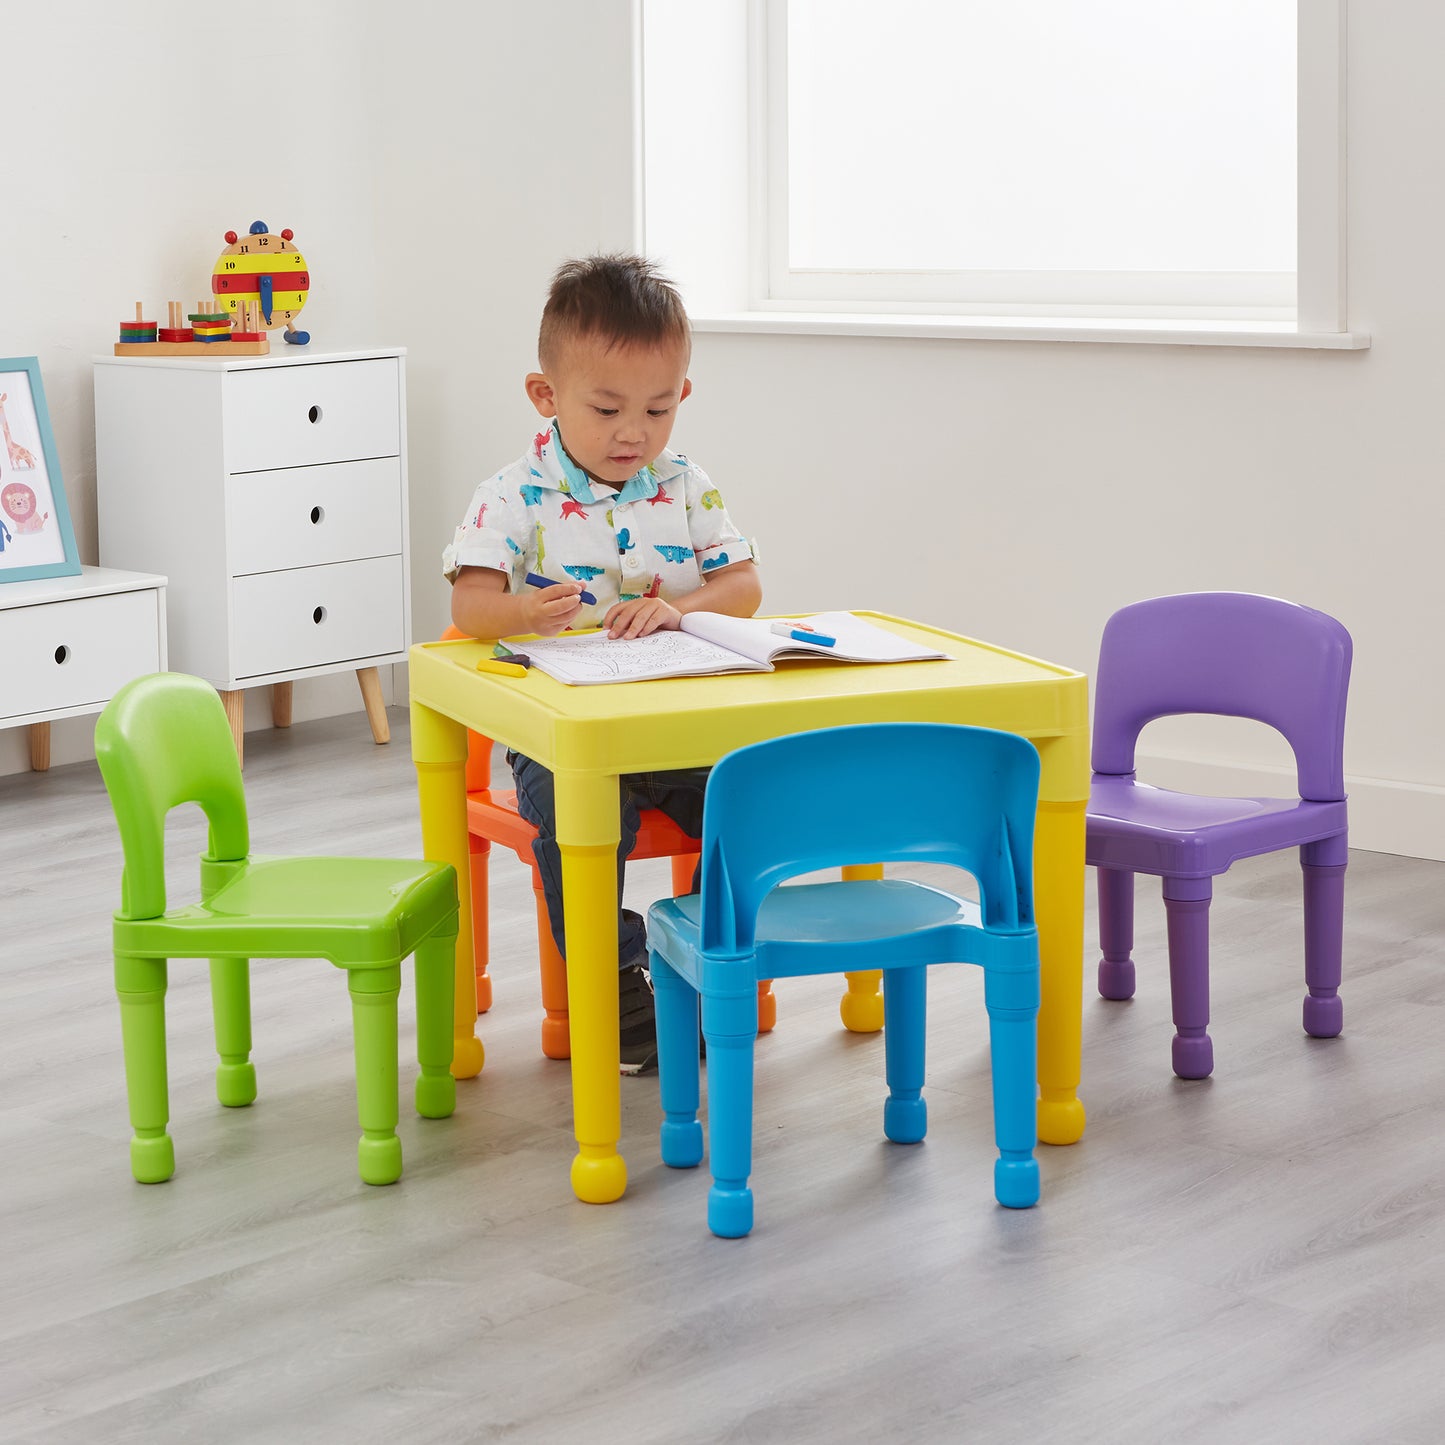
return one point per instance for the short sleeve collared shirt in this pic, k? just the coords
(659, 535)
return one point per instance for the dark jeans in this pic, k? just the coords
(679, 794)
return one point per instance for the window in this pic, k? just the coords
(1115, 159)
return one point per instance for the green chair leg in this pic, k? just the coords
(373, 1019)
(231, 1010)
(140, 985)
(436, 1089)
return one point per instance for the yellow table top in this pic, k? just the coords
(692, 721)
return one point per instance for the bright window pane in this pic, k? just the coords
(1073, 135)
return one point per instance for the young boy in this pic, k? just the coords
(598, 504)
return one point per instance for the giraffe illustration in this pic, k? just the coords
(20, 459)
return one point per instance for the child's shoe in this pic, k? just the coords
(637, 1017)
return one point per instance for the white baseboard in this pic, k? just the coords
(72, 740)
(1385, 816)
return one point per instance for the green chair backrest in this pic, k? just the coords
(164, 740)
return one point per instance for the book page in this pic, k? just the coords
(856, 639)
(594, 657)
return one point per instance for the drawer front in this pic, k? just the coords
(309, 516)
(73, 654)
(313, 616)
(300, 416)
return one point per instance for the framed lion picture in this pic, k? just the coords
(36, 539)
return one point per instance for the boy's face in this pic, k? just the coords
(615, 408)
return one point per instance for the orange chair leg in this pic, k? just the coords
(481, 850)
(556, 1031)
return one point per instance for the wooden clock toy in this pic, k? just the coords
(266, 269)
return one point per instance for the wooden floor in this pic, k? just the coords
(1255, 1258)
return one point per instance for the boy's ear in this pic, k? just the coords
(540, 394)
(686, 389)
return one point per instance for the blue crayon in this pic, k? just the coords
(535, 579)
(801, 632)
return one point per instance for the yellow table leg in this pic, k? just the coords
(861, 1008)
(439, 750)
(1059, 911)
(588, 832)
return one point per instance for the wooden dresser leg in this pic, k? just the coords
(280, 704)
(40, 746)
(236, 715)
(375, 707)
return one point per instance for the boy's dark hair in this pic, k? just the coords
(624, 300)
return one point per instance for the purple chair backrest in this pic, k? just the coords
(1231, 653)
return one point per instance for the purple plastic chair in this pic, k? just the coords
(1239, 655)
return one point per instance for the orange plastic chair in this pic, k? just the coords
(492, 817)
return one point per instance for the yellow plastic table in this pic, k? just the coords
(588, 736)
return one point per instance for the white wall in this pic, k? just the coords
(472, 151)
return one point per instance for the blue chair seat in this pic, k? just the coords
(815, 928)
(1154, 830)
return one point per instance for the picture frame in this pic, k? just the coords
(36, 538)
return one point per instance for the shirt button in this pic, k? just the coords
(631, 564)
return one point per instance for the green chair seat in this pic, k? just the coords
(164, 740)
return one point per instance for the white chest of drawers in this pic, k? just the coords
(68, 643)
(272, 492)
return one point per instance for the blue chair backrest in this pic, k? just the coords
(1231, 653)
(945, 793)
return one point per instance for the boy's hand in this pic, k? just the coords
(641, 616)
(550, 609)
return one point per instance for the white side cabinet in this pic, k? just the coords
(271, 491)
(69, 643)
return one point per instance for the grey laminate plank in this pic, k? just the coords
(1258, 1257)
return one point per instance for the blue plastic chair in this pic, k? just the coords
(1238, 655)
(963, 796)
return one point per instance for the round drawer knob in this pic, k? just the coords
(318, 615)
(313, 415)
(62, 654)
(317, 514)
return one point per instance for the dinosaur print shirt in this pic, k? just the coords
(658, 535)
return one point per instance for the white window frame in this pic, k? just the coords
(734, 292)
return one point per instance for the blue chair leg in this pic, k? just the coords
(680, 1137)
(730, 1027)
(1012, 999)
(1324, 877)
(1116, 932)
(1186, 902)
(905, 1115)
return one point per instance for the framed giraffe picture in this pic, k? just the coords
(36, 539)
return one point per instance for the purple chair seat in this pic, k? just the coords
(1156, 831)
(1237, 655)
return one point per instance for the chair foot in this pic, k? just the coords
(379, 1160)
(680, 1143)
(1193, 1056)
(1116, 978)
(730, 1211)
(861, 1008)
(905, 1121)
(152, 1158)
(236, 1084)
(1016, 1182)
(557, 1038)
(436, 1096)
(1324, 1017)
(484, 993)
(767, 1008)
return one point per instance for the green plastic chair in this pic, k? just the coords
(164, 740)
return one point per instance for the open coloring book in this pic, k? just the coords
(712, 642)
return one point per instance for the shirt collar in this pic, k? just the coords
(562, 472)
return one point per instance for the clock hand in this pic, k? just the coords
(263, 285)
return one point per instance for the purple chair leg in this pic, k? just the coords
(1116, 932)
(1323, 864)
(1186, 902)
